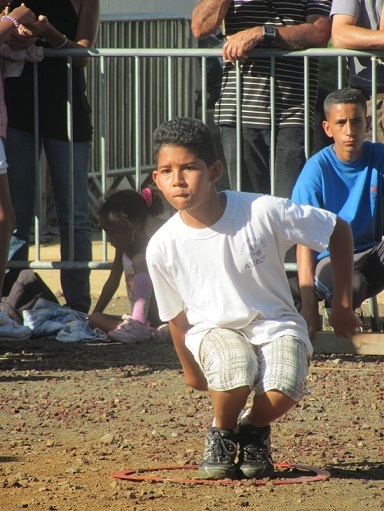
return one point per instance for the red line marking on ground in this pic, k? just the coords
(141, 475)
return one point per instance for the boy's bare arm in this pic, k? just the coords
(194, 376)
(343, 319)
(306, 275)
(207, 16)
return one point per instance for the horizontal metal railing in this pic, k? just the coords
(141, 111)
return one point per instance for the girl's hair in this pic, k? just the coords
(130, 208)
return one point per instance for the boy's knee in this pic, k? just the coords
(197, 383)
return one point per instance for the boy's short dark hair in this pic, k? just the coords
(344, 97)
(186, 132)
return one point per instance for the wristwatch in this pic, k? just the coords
(269, 34)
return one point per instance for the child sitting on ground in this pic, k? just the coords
(218, 272)
(125, 218)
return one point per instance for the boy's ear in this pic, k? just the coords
(154, 177)
(369, 123)
(216, 171)
(327, 129)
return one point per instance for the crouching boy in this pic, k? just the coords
(218, 272)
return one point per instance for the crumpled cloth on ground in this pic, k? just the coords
(52, 320)
(13, 60)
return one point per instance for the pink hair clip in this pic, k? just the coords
(147, 196)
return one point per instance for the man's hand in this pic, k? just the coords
(237, 45)
(344, 322)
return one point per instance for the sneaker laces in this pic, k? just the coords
(255, 453)
(220, 448)
(256, 448)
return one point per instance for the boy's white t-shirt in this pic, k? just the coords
(231, 275)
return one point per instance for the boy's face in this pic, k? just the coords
(185, 180)
(347, 124)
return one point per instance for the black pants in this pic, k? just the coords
(256, 148)
(368, 276)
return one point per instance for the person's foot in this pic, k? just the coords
(255, 459)
(10, 329)
(219, 455)
(161, 333)
(129, 331)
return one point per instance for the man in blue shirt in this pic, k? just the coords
(347, 179)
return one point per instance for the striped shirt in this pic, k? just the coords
(255, 73)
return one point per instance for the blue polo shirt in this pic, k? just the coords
(354, 191)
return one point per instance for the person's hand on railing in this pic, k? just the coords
(237, 45)
(19, 39)
(39, 27)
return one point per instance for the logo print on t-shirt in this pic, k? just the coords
(254, 251)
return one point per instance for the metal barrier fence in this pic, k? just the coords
(122, 144)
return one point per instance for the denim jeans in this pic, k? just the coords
(255, 173)
(20, 152)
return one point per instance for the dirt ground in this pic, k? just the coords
(74, 414)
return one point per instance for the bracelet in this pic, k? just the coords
(11, 18)
(64, 43)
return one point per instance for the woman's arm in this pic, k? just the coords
(88, 25)
(9, 24)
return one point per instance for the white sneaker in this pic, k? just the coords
(130, 331)
(10, 329)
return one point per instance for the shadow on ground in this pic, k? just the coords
(366, 470)
(50, 355)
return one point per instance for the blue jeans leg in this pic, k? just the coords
(75, 283)
(20, 151)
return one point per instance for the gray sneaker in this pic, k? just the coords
(255, 459)
(219, 455)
